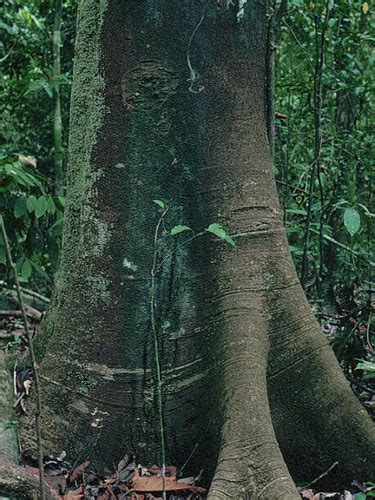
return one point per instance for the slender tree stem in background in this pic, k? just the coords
(159, 396)
(33, 358)
(274, 21)
(270, 80)
(344, 247)
(315, 168)
(57, 121)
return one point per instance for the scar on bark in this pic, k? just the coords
(147, 87)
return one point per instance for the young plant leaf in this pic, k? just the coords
(41, 206)
(367, 366)
(51, 207)
(20, 207)
(159, 203)
(179, 229)
(30, 203)
(26, 270)
(220, 232)
(352, 220)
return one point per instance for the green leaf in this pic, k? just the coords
(370, 493)
(296, 211)
(20, 207)
(159, 203)
(3, 259)
(26, 270)
(352, 220)
(30, 203)
(367, 366)
(51, 207)
(179, 229)
(220, 232)
(360, 496)
(41, 206)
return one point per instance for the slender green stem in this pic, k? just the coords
(169, 254)
(159, 395)
(344, 247)
(315, 168)
(33, 358)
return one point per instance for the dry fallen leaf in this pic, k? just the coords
(27, 160)
(146, 484)
(78, 471)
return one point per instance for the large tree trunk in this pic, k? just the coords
(247, 375)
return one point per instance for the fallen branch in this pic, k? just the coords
(30, 311)
(27, 291)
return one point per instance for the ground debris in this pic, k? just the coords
(360, 491)
(130, 481)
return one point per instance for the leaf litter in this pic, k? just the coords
(130, 481)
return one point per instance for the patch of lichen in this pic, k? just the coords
(87, 115)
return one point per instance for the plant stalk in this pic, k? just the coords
(159, 395)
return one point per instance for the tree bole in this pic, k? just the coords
(247, 377)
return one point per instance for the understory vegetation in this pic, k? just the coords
(322, 160)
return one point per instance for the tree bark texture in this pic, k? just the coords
(247, 375)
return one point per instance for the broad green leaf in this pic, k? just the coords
(360, 496)
(370, 493)
(220, 232)
(51, 207)
(367, 366)
(179, 229)
(30, 203)
(26, 270)
(62, 200)
(352, 220)
(41, 206)
(20, 207)
(159, 203)
(296, 211)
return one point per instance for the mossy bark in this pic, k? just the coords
(247, 375)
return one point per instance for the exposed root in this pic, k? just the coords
(15, 482)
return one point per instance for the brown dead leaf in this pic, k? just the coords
(57, 484)
(153, 484)
(307, 494)
(78, 471)
(187, 480)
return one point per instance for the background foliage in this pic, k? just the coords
(327, 213)
(31, 209)
(339, 278)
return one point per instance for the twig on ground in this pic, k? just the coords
(314, 481)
